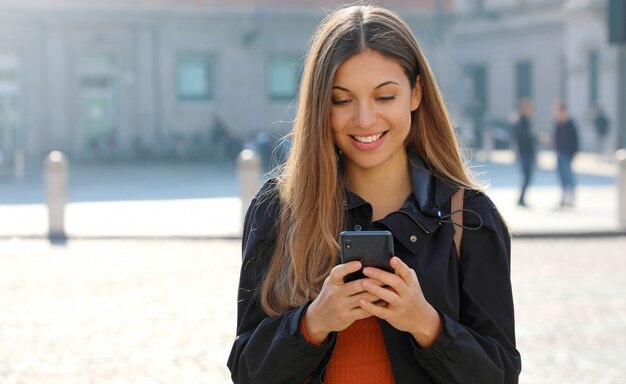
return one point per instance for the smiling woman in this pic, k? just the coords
(373, 148)
(371, 112)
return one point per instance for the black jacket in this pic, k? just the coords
(566, 138)
(602, 124)
(473, 296)
(523, 135)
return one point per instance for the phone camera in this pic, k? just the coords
(348, 244)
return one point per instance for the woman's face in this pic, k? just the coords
(370, 112)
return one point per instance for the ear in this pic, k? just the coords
(416, 94)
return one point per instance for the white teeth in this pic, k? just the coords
(368, 139)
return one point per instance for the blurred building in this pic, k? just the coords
(543, 49)
(117, 78)
(126, 79)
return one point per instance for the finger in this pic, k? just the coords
(359, 313)
(356, 286)
(354, 300)
(376, 310)
(403, 270)
(387, 295)
(387, 278)
(340, 271)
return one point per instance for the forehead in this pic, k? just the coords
(369, 67)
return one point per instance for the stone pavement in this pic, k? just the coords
(196, 201)
(163, 311)
(117, 311)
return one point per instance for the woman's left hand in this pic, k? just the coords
(407, 309)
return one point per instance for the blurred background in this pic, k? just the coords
(151, 103)
(197, 79)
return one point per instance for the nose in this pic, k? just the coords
(365, 116)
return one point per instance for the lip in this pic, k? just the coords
(368, 146)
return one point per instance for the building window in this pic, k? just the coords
(594, 67)
(194, 77)
(10, 113)
(479, 5)
(96, 63)
(97, 95)
(284, 75)
(479, 102)
(96, 106)
(523, 79)
(8, 75)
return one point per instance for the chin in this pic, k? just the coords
(366, 162)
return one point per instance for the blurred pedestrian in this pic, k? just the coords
(220, 139)
(526, 145)
(373, 149)
(601, 123)
(565, 146)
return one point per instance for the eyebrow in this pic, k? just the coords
(376, 87)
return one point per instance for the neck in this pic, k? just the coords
(384, 190)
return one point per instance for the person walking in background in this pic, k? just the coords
(373, 148)
(220, 138)
(601, 123)
(565, 146)
(526, 145)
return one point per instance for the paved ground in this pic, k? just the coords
(116, 312)
(570, 298)
(164, 311)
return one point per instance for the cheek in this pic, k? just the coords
(337, 122)
(402, 117)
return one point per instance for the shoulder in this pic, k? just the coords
(482, 211)
(267, 196)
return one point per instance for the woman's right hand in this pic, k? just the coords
(337, 305)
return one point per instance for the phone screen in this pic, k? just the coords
(371, 248)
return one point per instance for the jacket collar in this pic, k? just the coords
(430, 192)
(429, 200)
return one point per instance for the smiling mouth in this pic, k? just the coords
(369, 139)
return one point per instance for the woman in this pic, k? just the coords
(373, 148)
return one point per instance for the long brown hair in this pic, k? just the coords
(310, 186)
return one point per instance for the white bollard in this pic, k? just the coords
(56, 175)
(249, 175)
(620, 156)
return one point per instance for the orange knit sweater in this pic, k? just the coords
(360, 355)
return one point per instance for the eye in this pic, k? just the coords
(385, 99)
(340, 101)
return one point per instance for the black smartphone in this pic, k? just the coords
(371, 248)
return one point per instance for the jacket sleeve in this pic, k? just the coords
(480, 346)
(267, 349)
